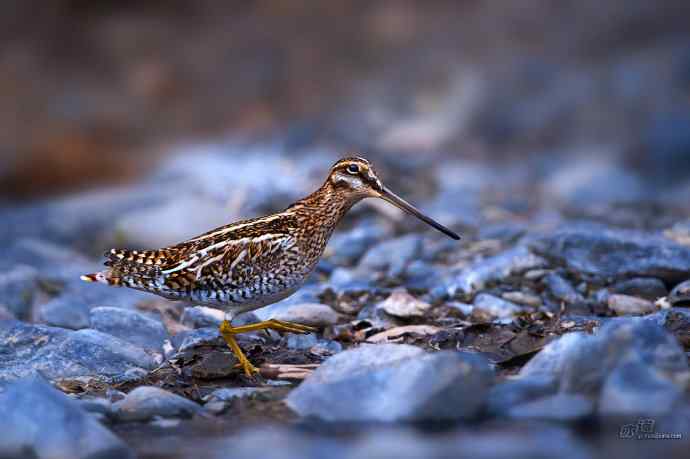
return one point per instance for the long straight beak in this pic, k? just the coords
(400, 203)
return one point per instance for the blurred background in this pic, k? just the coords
(99, 92)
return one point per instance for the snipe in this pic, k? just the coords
(253, 263)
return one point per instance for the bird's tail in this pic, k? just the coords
(102, 277)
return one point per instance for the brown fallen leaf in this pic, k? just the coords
(293, 372)
(396, 334)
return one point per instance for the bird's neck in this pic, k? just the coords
(324, 208)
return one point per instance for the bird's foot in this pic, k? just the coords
(228, 333)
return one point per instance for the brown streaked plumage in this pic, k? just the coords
(253, 263)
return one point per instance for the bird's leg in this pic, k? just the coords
(228, 332)
(277, 325)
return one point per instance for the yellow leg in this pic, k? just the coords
(228, 333)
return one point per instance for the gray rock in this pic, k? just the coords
(65, 312)
(347, 247)
(227, 394)
(393, 254)
(502, 397)
(348, 280)
(146, 402)
(38, 421)
(561, 289)
(644, 287)
(401, 304)
(190, 339)
(603, 252)
(584, 181)
(585, 364)
(524, 298)
(142, 228)
(495, 306)
(419, 275)
(629, 305)
(390, 382)
(680, 295)
(314, 314)
(635, 388)
(202, 316)
(131, 326)
(558, 407)
(294, 341)
(494, 269)
(679, 232)
(17, 289)
(58, 353)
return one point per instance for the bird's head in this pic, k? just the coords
(355, 179)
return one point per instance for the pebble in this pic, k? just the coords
(527, 299)
(494, 269)
(146, 402)
(402, 304)
(495, 306)
(629, 305)
(390, 382)
(561, 289)
(392, 254)
(202, 316)
(680, 295)
(17, 290)
(559, 407)
(131, 326)
(312, 314)
(648, 288)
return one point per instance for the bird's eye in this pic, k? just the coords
(353, 169)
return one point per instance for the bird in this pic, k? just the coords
(253, 263)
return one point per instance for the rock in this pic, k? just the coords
(347, 247)
(393, 254)
(644, 287)
(58, 353)
(390, 382)
(629, 305)
(588, 180)
(419, 275)
(558, 407)
(131, 326)
(679, 232)
(604, 252)
(504, 396)
(494, 269)
(65, 312)
(212, 365)
(17, 288)
(635, 388)
(190, 339)
(143, 228)
(680, 295)
(585, 364)
(72, 307)
(561, 289)
(495, 306)
(6, 314)
(527, 299)
(38, 421)
(227, 394)
(202, 316)
(294, 341)
(313, 314)
(146, 402)
(402, 304)
(348, 281)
